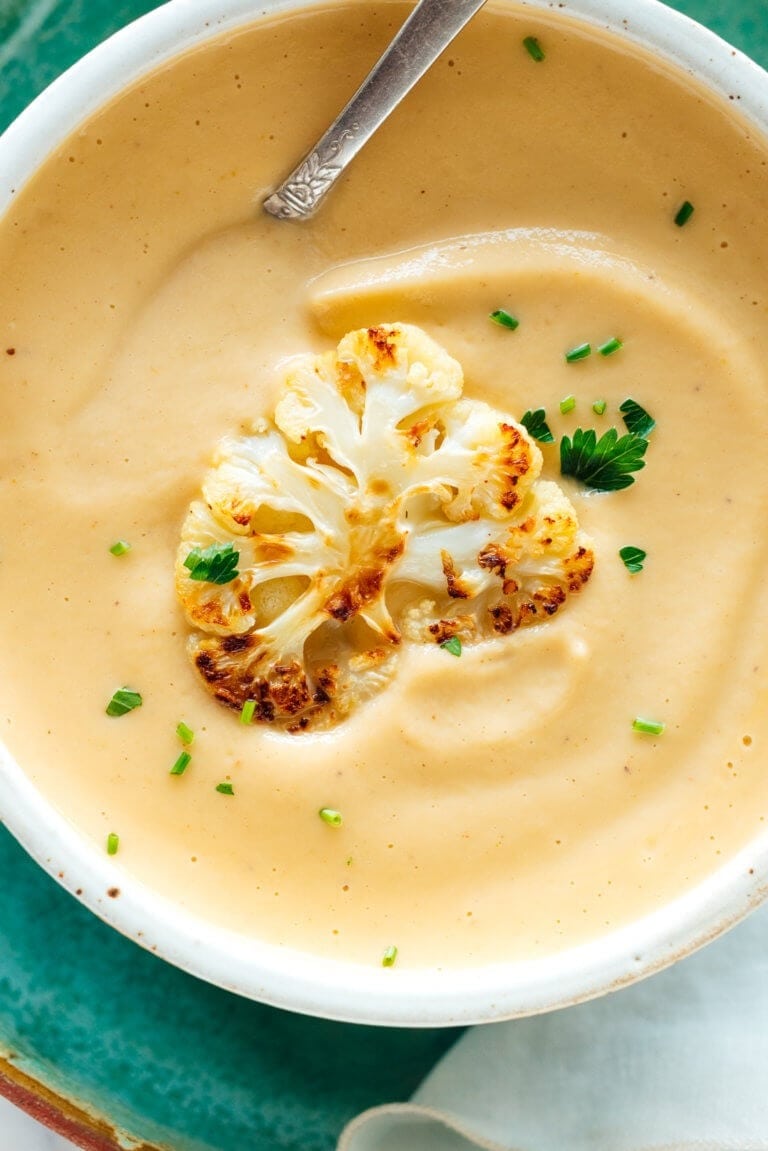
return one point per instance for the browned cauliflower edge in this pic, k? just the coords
(376, 506)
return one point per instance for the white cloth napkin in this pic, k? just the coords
(679, 1061)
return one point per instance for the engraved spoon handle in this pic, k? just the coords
(426, 33)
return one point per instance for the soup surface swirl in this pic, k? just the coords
(495, 806)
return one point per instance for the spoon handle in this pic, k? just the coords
(426, 33)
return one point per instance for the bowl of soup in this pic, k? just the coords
(518, 357)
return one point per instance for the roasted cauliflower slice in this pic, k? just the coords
(378, 505)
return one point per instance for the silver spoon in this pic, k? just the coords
(426, 33)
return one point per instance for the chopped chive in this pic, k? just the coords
(453, 645)
(580, 352)
(123, 701)
(610, 346)
(120, 547)
(330, 816)
(567, 405)
(181, 764)
(185, 734)
(504, 319)
(599, 407)
(533, 48)
(249, 707)
(648, 726)
(113, 842)
(684, 213)
(389, 957)
(225, 789)
(633, 558)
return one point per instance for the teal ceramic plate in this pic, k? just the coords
(100, 1039)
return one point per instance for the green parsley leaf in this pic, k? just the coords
(225, 789)
(181, 764)
(124, 701)
(215, 564)
(113, 843)
(603, 465)
(389, 957)
(648, 726)
(505, 319)
(453, 645)
(633, 558)
(637, 419)
(330, 816)
(533, 48)
(535, 423)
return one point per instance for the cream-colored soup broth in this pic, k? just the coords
(500, 804)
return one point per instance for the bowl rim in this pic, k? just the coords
(280, 976)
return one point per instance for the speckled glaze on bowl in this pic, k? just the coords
(252, 968)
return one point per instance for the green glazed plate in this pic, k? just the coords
(103, 1041)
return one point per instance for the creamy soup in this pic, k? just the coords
(499, 805)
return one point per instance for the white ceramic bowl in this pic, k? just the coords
(258, 970)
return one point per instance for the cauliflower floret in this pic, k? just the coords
(377, 506)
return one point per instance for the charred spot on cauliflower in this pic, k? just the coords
(377, 506)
